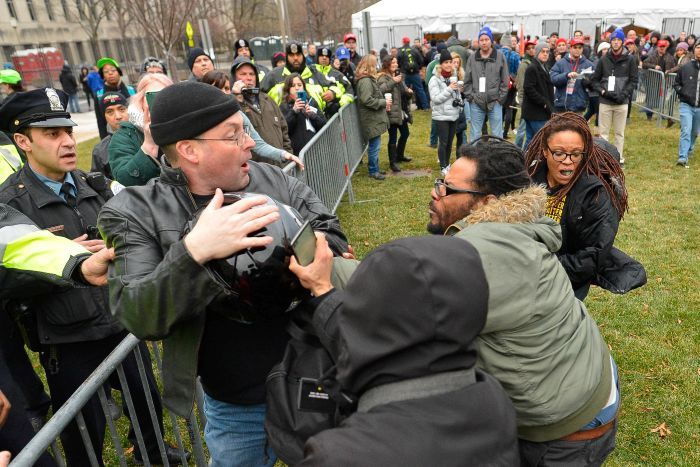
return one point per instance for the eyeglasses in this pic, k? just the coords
(560, 156)
(442, 189)
(238, 138)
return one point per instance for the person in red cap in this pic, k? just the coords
(350, 41)
(557, 53)
(566, 75)
(632, 49)
(410, 62)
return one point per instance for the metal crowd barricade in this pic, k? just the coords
(331, 158)
(670, 110)
(72, 411)
(651, 92)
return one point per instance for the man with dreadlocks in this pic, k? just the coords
(538, 341)
(585, 194)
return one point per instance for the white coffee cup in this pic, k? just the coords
(453, 79)
(460, 83)
(387, 97)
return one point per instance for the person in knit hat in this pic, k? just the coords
(615, 78)
(201, 131)
(444, 93)
(242, 49)
(486, 85)
(111, 73)
(199, 63)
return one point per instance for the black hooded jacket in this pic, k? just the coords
(413, 309)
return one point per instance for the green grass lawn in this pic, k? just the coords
(653, 332)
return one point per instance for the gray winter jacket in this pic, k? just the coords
(495, 69)
(441, 98)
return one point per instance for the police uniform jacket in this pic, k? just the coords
(73, 315)
(20, 243)
(154, 271)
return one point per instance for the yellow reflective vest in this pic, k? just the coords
(10, 162)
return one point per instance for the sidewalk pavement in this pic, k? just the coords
(87, 123)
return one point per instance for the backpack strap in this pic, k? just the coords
(416, 388)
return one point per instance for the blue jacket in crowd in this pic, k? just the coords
(578, 100)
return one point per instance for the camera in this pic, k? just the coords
(458, 103)
(93, 232)
(250, 91)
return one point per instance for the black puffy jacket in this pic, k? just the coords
(687, 83)
(624, 68)
(589, 224)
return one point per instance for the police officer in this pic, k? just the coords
(242, 49)
(10, 161)
(338, 91)
(73, 330)
(63, 263)
(296, 63)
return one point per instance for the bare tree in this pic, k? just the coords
(243, 18)
(163, 21)
(89, 14)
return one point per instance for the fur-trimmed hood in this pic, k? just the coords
(523, 211)
(516, 207)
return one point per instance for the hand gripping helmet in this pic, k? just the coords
(257, 281)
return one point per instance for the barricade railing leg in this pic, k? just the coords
(193, 432)
(151, 406)
(57, 454)
(87, 442)
(116, 441)
(126, 393)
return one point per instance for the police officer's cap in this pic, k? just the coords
(294, 48)
(239, 44)
(44, 107)
(325, 52)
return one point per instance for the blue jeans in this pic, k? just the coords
(690, 126)
(520, 137)
(73, 103)
(235, 434)
(433, 133)
(478, 116)
(373, 154)
(414, 82)
(532, 127)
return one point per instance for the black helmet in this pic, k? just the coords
(258, 280)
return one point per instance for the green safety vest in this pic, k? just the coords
(10, 162)
(33, 254)
(315, 90)
(338, 88)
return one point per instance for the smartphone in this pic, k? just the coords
(302, 95)
(304, 245)
(150, 96)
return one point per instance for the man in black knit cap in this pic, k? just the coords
(199, 62)
(159, 286)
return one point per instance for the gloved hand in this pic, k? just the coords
(611, 96)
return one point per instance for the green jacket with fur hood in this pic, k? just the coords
(539, 341)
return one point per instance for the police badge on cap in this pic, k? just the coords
(293, 48)
(36, 108)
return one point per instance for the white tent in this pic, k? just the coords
(390, 20)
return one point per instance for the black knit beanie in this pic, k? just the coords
(188, 109)
(445, 56)
(194, 53)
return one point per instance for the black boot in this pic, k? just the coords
(400, 148)
(392, 158)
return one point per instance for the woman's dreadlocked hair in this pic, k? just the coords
(597, 161)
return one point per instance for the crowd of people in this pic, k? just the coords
(411, 330)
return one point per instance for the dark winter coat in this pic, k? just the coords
(626, 71)
(299, 133)
(425, 328)
(73, 314)
(538, 94)
(687, 84)
(398, 94)
(68, 81)
(578, 100)
(589, 224)
(654, 59)
(371, 107)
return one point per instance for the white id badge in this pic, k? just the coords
(611, 84)
(482, 84)
(570, 86)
